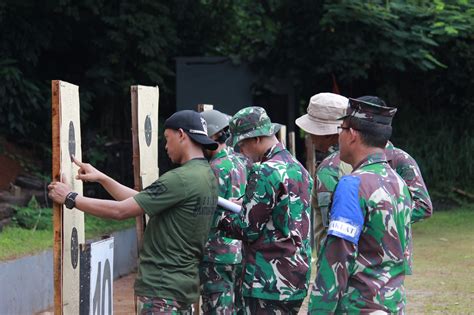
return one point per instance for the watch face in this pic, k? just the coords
(69, 202)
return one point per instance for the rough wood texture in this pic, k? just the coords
(57, 209)
(140, 222)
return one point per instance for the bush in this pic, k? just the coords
(33, 216)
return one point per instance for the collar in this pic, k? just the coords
(333, 149)
(371, 159)
(221, 154)
(389, 150)
(272, 151)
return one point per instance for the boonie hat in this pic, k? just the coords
(194, 125)
(323, 112)
(250, 122)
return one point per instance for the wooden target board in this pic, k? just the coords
(68, 224)
(145, 106)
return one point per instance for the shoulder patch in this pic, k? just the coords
(156, 189)
(347, 218)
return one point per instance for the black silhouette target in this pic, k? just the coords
(74, 248)
(72, 140)
(148, 130)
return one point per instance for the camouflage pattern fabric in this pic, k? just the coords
(218, 288)
(364, 259)
(408, 169)
(269, 307)
(332, 168)
(231, 174)
(275, 228)
(370, 112)
(250, 122)
(159, 306)
(327, 176)
(222, 255)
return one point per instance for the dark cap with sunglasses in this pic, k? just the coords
(371, 109)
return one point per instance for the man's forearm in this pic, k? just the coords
(109, 209)
(117, 190)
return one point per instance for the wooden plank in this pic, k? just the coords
(140, 220)
(67, 142)
(57, 209)
(292, 142)
(145, 107)
(203, 107)
(310, 155)
(281, 135)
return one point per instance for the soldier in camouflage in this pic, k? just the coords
(321, 123)
(222, 256)
(364, 259)
(274, 223)
(332, 168)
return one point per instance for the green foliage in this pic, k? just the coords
(417, 54)
(95, 150)
(33, 217)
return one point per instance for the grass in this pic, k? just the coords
(16, 242)
(443, 276)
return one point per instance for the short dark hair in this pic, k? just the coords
(372, 134)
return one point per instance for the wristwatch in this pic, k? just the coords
(70, 201)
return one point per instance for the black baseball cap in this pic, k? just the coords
(194, 125)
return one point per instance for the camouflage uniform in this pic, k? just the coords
(363, 262)
(222, 255)
(159, 306)
(332, 168)
(275, 220)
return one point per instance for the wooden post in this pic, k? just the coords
(292, 142)
(57, 209)
(310, 155)
(203, 107)
(281, 135)
(68, 224)
(140, 219)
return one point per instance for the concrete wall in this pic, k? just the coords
(26, 284)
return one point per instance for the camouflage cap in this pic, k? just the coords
(362, 109)
(251, 122)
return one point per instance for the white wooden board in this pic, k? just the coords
(73, 220)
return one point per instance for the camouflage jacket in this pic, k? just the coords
(362, 263)
(275, 228)
(231, 174)
(332, 168)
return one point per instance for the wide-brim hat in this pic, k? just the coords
(323, 112)
(194, 125)
(250, 122)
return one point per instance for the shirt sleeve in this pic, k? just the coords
(164, 193)
(257, 205)
(410, 172)
(332, 275)
(347, 217)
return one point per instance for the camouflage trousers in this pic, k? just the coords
(254, 306)
(218, 285)
(158, 306)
